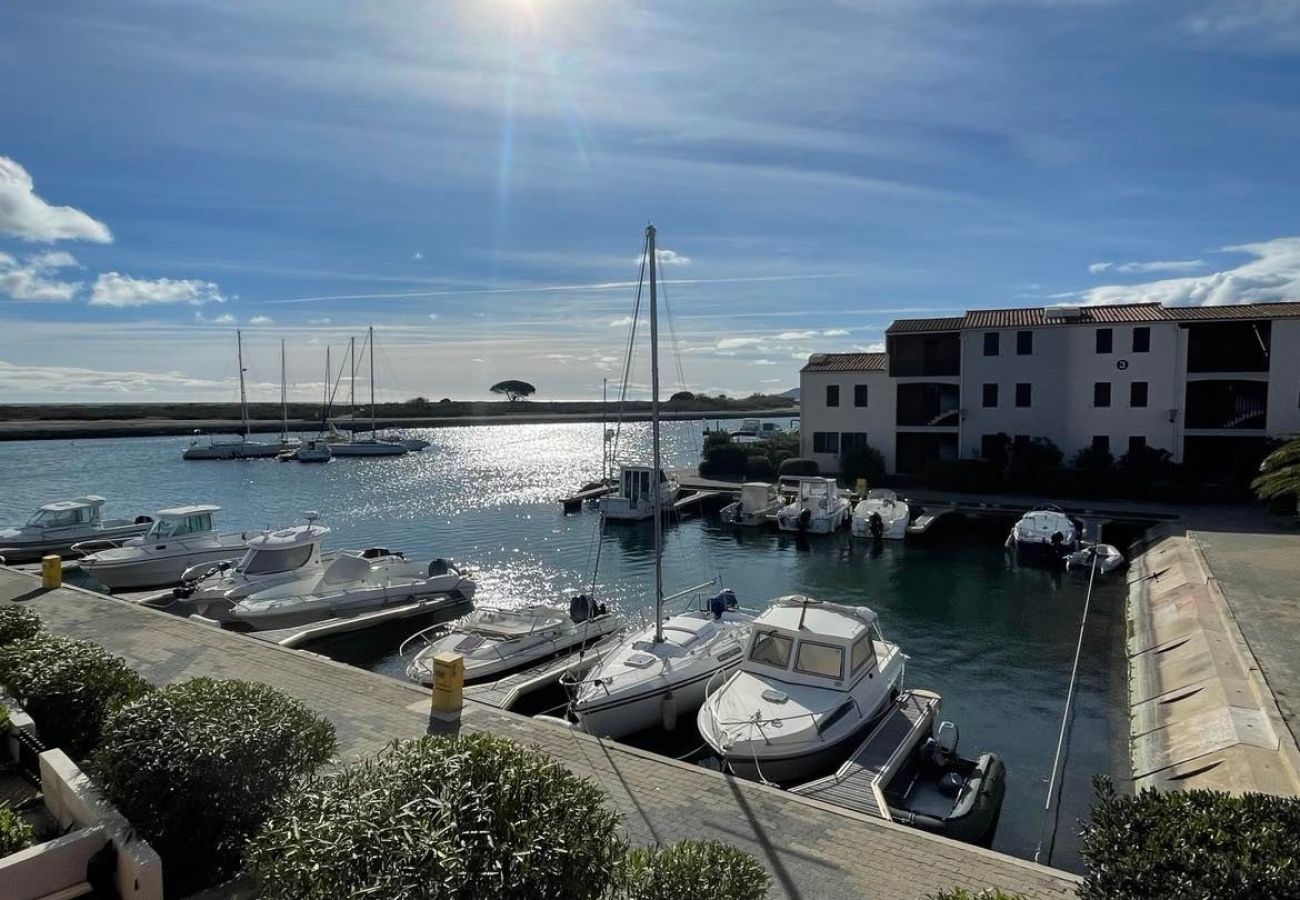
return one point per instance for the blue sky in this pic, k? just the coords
(472, 179)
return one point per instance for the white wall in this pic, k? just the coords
(1284, 379)
(876, 419)
(1043, 369)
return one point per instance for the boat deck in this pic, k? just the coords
(859, 783)
(505, 692)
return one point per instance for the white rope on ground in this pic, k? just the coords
(1053, 791)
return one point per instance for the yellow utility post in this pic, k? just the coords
(51, 572)
(448, 685)
(862, 487)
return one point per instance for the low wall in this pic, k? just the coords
(1200, 713)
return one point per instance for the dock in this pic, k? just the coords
(859, 784)
(575, 501)
(696, 500)
(505, 692)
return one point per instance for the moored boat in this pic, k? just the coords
(180, 538)
(55, 527)
(640, 493)
(1106, 557)
(1045, 535)
(891, 513)
(818, 508)
(758, 502)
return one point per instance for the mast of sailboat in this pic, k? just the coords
(370, 342)
(284, 403)
(604, 431)
(243, 395)
(352, 389)
(652, 262)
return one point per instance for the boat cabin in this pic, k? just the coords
(181, 521)
(818, 494)
(68, 513)
(758, 495)
(635, 482)
(283, 551)
(802, 641)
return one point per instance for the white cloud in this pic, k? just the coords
(433, 315)
(1146, 268)
(615, 323)
(733, 343)
(763, 362)
(1271, 275)
(835, 332)
(32, 278)
(418, 255)
(667, 258)
(261, 320)
(324, 321)
(27, 216)
(39, 381)
(121, 291)
(223, 319)
(1100, 267)
(795, 335)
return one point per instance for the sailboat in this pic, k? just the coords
(350, 445)
(660, 671)
(239, 446)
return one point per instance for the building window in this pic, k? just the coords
(1137, 394)
(1101, 442)
(826, 442)
(1105, 340)
(1142, 340)
(832, 395)
(1101, 393)
(990, 396)
(991, 339)
(1137, 443)
(850, 440)
(859, 395)
(1024, 391)
(1024, 343)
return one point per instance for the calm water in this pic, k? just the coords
(996, 641)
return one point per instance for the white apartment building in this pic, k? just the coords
(1208, 384)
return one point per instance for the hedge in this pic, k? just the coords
(963, 894)
(17, 624)
(466, 817)
(694, 870)
(15, 833)
(69, 688)
(197, 767)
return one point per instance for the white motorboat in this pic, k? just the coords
(748, 432)
(659, 673)
(1046, 534)
(178, 539)
(758, 502)
(1106, 557)
(238, 446)
(495, 640)
(55, 527)
(640, 493)
(814, 676)
(818, 508)
(894, 515)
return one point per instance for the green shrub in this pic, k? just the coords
(1158, 846)
(759, 468)
(863, 461)
(963, 894)
(15, 834)
(197, 767)
(17, 623)
(1093, 458)
(1030, 461)
(694, 870)
(799, 468)
(465, 817)
(777, 447)
(968, 475)
(723, 459)
(68, 688)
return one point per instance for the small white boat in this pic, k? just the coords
(818, 508)
(635, 499)
(1046, 534)
(748, 432)
(311, 450)
(758, 502)
(178, 539)
(55, 527)
(1106, 556)
(235, 446)
(659, 673)
(273, 558)
(495, 640)
(814, 676)
(894, 515)
(344, 445)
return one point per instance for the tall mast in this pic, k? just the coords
(284, 403)
(370, 340)
(652, 262)
(325, 390)
(604, 431)
(243, 395)
(352, 390)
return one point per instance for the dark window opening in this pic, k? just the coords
(1101, 393)
(1024, 393)
(991, 343)
(826, 442)
(1230, 403)
(1137, 443)
(1024, 343)
(922, 403)
(1137, 394)
(850, 440)
(1105, 340)
(1101, 442)
(1228, 347)
(859, 395)
(832, 395)
(1142, 340)
(990, 396)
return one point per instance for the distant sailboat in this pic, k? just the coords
(239, 446)
(349, 445)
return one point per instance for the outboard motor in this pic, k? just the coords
(877, 526)
(805, 518)
(581, 609)
(438, 567)
(940, 749)
(723, 601)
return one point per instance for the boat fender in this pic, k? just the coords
(669, 711)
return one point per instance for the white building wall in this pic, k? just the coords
(1044, 417)
(876, 419)
(1284, 379)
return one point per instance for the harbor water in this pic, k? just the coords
(997, 641)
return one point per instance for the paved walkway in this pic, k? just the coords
(813, 851)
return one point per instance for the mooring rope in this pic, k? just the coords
(1052, 807)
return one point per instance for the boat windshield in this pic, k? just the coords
(62, 518)
(813, 658)
(170, 528)
(771, 648)
(261, 562)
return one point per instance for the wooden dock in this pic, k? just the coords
(698, 499)
(505, 692)
(859, 784)
(575, 501)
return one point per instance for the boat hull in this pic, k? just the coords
(343, 606)
(620, 716)
(378, 448)
(156, 572)
(795, 767)
(233, 451)
(33, 550)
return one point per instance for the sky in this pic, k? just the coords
(472, 179)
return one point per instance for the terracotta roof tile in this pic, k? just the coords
(907, 326)
(846, 362)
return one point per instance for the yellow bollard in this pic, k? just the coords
(862, 487)
(448, 685)
(51, 572)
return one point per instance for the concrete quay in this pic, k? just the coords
(813, 851)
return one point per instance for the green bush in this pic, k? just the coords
(963, 894)
(694, 870)
(68, 688)
(967, 475)
(17, 623)
(724, 459)
(1030, 461)
(777, 447)
(197, 767)
(797, 467)
(863, 461)
(1158, 846)
(15, 834)
(465, 817)
(759, 468)
(1094, 458)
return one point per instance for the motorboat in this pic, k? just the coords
(1046, 534)
(893, 515)
(311, 450)
(55, 527)
(813, 678)
(1106, 557)
(641, 489)
(748, 432)
(658, 673)
(494, 640)
(818, 507)
(179, 538)
(758, 502)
